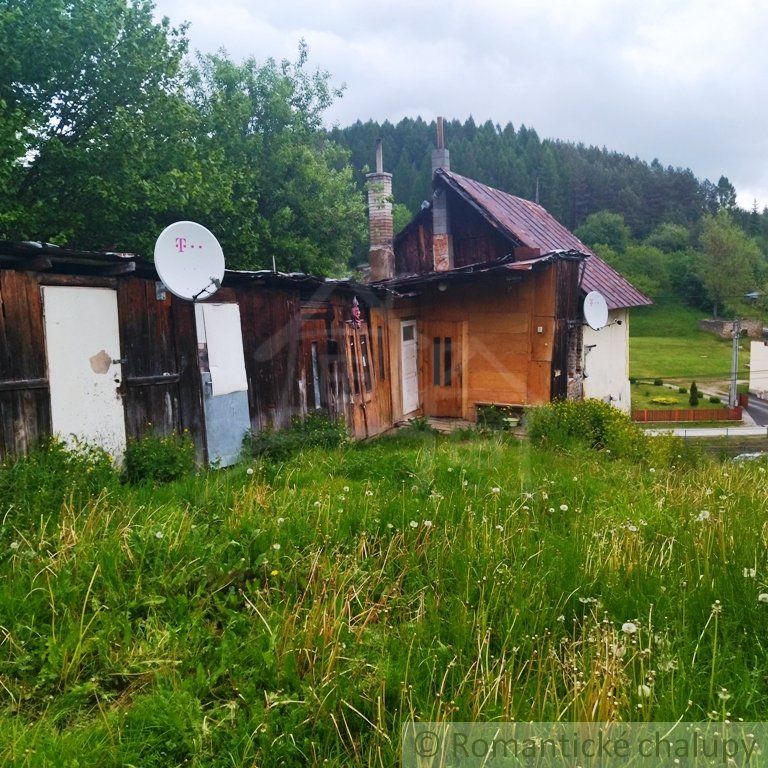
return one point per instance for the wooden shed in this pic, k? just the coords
(93, 345)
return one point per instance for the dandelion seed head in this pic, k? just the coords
(345, 489)
(249, 471)
(413, 524)
(15, 545)
(280, 520)
(316, 504)
(427, 523)
(496, 490)
(644, 690)
(762, 597)
(563, 507)
(158, 534)
(276, 546)
(629, 628)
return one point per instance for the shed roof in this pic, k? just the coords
(535, 227)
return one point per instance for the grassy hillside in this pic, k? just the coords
(666, 343)
(297, 612)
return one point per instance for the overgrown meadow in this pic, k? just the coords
(297, 611)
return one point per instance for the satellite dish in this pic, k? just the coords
(189, 260)
(595, 310)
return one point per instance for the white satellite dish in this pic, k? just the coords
(595, 310)
(189, 260)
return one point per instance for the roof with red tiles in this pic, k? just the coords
(535, 227)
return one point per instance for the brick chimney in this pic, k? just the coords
(442, 241)
(380, 254)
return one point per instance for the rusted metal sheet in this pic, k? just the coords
(532, 226)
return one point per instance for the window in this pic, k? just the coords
(355, 369)
(316, 376)
(408, 333)
(380, 345)
(366, 363)
(442, 361)
(447, 362)
(436, 361)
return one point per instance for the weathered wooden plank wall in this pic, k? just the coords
(161, 381)
(25, 415)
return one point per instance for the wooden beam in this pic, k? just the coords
(15, 384)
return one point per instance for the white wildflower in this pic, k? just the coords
(158, 534)
(652, 470)
(345, 489)
(563, 507)
(249, 471)
(280, 520)
(551, 509)
(369, 492)
(703, 515)
(15, 545)
(276, 546)
(500, 528)
(316, 504)
(390, 526)
(413, 524)
(762, 597)
(427, 523)
(629, 628)
(749, 573)
(644, 691)
(496, 489)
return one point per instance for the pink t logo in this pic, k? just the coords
(181, 244)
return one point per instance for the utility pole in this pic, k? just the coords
(733, 396)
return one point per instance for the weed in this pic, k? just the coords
(159, 459)
(313, 430)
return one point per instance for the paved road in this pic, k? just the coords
(758, 410)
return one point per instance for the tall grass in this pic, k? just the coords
(297, 615)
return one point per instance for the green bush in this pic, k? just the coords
(683, 390)
(714, 399)
(658, 382)
(589, 422)
(159, 459)
(38, 484)
(315, 430)
(693, 398)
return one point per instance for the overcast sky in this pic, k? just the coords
(679, 81)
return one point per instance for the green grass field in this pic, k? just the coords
(646, 395)
(666, 343)
(298, 612)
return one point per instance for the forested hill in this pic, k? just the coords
(573, 180)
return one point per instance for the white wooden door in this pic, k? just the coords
(82, 342)
(409, 365)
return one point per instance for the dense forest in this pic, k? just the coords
(573, 180)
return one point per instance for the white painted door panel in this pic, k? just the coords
(409, 366)
(82, 338)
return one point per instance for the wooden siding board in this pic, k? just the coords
(25, 416)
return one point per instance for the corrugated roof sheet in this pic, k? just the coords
(535, 227)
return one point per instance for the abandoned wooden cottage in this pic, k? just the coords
(490, 290)
(93, 345)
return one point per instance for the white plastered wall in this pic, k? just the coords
(758, 369)
(606, 361)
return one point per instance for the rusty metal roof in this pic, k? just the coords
(534, 227)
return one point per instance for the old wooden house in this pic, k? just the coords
(93, 345)
(489, 310)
